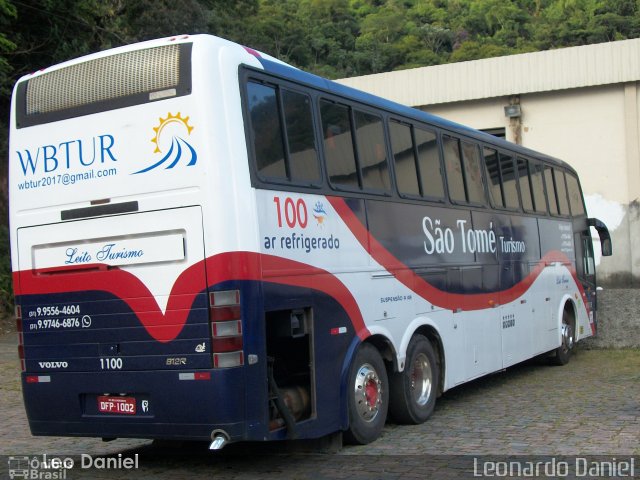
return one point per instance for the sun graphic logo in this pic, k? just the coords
(169, 140)
(319, 213)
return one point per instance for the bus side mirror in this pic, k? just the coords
(603, 233)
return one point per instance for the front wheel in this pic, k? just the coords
(414, 390)
(367, 396)
(563, 352)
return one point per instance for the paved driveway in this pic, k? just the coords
(533, 412)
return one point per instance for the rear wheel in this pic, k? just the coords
(367, 396)
(414, 390)
(567, 331)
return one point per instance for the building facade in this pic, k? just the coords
(579, 104)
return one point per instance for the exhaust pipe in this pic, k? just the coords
(219, 438)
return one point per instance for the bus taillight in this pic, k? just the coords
(18, 312)
(228, 360)
(226, 329)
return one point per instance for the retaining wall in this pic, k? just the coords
(618, 319)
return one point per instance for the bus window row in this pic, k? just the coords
(362, 150)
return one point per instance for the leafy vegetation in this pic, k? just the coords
(333, 38)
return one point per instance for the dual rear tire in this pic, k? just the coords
(409, 395)
(414, 390)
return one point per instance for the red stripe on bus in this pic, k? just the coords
(248, 266)
(219, 268)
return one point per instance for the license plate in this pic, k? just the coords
(117, 405)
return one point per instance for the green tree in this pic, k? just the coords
(579, 22)
(503, 21)
(331, 33)
(145, 19)
(231, 20)
(7, 15)
(379, 46)
(278, 31)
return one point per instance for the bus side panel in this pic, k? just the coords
(309, 357)
(557, 235)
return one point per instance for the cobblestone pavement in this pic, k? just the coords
(530, 412)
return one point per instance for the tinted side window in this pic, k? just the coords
(404, 158)
(551, 192)
(453, 165)
(575, 195)
(537, 183)
(492, 170)
(561, 188)
(510, 191)
(473, 172)
(301, 139)
(429, 163)
(338, 144)
(525, 187)
(266, 130)
(372, 153)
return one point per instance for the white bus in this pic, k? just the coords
(210, 244)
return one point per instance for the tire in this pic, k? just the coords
(414, 390)
(367, 396)
(562, 354)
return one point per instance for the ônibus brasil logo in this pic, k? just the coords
(170, 143)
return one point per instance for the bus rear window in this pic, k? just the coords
(105, 83)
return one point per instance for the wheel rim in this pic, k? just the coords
(567, 337)
(368, 393)
(421, 378)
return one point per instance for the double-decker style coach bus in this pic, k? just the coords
(210, 244)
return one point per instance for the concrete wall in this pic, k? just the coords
(618, 320)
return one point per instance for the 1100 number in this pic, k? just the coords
(111, 363)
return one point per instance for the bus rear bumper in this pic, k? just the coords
(178, 405)
(155, 431)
